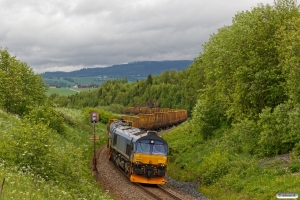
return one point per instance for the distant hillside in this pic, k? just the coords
(143, 68)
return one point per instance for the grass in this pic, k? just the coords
(66, 91)
(23, 183)
(223, 174)
(20, 185)
(264, 184)
(77, 80)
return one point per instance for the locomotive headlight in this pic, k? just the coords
(152, 141)
(160, 165)
(138, 163)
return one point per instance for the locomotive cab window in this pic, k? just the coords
(143, 147)
(151, 147)
(159, 149)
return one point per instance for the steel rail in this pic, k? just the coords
(169, 193)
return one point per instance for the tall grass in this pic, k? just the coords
(66, 173)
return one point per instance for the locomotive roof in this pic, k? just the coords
(152, 137)
(132, 133)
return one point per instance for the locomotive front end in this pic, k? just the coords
(149, 164)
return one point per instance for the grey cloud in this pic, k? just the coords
(68, 35)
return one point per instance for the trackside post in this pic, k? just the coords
(1, 189)
(94, 118)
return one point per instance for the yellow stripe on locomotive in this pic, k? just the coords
(157, 165)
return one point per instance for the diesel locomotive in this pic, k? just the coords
(141, 154)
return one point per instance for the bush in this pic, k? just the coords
(47, 115)
(214, 166)
(279, 130)
(208, 116)
(243, 137)
(294, 167)
(296, 150)
(31, 143)
(60, 100)
(274, 125)
(65, 164)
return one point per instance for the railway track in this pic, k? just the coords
(114, 181)
(155, 191)
(158, 192)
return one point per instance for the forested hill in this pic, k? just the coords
(143, 68)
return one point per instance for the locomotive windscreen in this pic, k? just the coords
(151, 147)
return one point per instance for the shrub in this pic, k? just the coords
(294, 167)
(31, 143)
(47, 115)
(243, 137)
(296, 150)
(280, 130)
(214, 166)
(274, 125)
(208, 116)
(60, 100)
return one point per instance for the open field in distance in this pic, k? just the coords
(66, 91)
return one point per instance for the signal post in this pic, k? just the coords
(94, 118)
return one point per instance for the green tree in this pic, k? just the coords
(20, 88)
(149, 79)
(289, 49)
(241, 66)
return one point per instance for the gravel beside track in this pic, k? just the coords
(120, 187)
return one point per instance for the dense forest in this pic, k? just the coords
(243, 97)
(169, 89)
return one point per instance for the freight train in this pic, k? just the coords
(154, 118)
(141, 154)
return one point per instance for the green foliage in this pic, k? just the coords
(279, 130)
(294, 167)
(59, 100)
(114, 108)
(48, 116)
(19, 86)
(241, 69)
(59, 165)
(149, 79)
(289, 56)
(41, 158)
(296, 149)
(31, 143)
(214, 166)
(167, 90)
(243, 137)
(208, 116)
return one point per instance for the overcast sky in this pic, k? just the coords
(67, 35)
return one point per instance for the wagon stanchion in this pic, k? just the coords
(94, 118)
